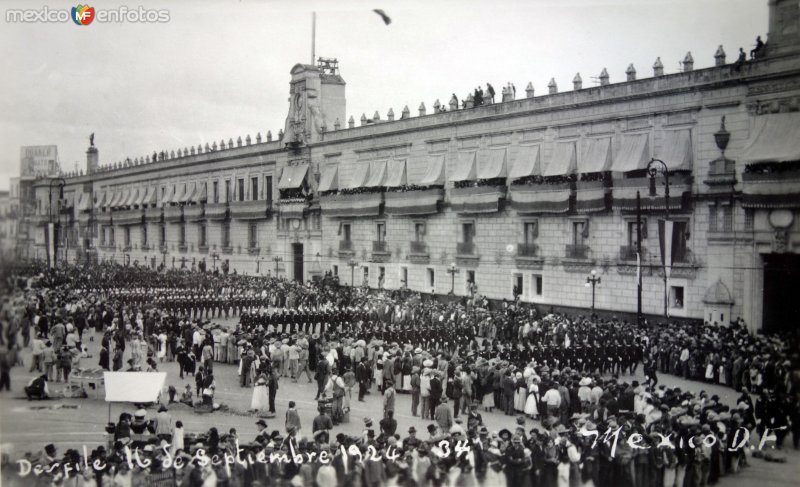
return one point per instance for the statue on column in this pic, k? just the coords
(91, 140)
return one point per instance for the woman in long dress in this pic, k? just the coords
(532, 402)
(260, 401)
(520, 394)
(162, 346)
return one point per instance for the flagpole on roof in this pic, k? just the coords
(313, 36)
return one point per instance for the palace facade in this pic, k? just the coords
(523, 196)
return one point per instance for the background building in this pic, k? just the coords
(524, 196)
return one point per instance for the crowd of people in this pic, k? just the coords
(565, 381)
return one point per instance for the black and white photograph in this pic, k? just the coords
(274, 243)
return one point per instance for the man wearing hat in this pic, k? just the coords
(412, 441)
(263, 435)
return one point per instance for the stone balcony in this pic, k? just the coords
(173, 214)
(251, 210)
(128, 217)
(467, 254)
(577, 258)
(346, 249)
(528, 256)
(152, 215)
(193, 213)
(380, 251)
(418, 252)
(216, 211)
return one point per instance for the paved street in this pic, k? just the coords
(60, 423)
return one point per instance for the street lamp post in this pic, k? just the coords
(215, 258)
(277, 261)
(653, 169)
(127, 258)
(60, 182)
(353, 264)
(592, 281)
(164, 257)
(452, 270)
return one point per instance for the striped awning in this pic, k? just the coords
(480, 199)
(771, 190)
(351, 205)
(527, 163)
(775, 138)
(540, 198)
(624, 194)
(595, 155)
(424, 202)
(563, 162)
(634, 153)
(377, 175)
(434, 175)
(396, 175)
(494, 166)
(590, 196)
(329, 179)
(292, 209)
(293, 177)
(465, 167)
(676, 150)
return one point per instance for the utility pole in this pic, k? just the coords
(638, 259)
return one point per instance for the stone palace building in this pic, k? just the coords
(522, 196)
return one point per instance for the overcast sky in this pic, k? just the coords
(221, 70)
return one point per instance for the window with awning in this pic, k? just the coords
(676, 150)
(189, 193)
(167, 198)
(151, 197)
(179, 194)
(595, 155)
(494, 165)
(396, 175)
(123, 199)
(563, 162)
(116, 199)
(527, 163)
(377, 175)
(101, 200)
(359, 177)
(465, 167)
(84, 202)
(633, 155)
(293, 177)
(329, 179)
(139, 201)
(132, 195)
(201, 194)
(434, 175)
(775, 138)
